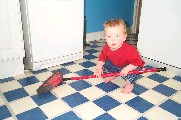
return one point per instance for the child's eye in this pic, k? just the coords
(117, 36)
(108, 36)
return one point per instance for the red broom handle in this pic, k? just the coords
(118, 73)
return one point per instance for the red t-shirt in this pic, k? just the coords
(126, 54)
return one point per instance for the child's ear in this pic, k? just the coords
(124, 36)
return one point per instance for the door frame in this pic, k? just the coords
(136, 16)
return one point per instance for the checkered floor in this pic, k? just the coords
(157, 96)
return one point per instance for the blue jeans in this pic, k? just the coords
(109, 67)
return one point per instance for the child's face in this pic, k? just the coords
(115, 37)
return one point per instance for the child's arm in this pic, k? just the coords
(99, 68)
(126, 69)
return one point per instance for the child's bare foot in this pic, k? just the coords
(128, 88)
(108, 79)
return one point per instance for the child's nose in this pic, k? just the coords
(113, 39)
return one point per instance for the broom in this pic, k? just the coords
(57, 78)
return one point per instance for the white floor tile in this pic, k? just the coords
(124, 112)
(31, 89)
(22, 105)
(92, 93)
(95, 81)
(80, 61)
(122, 97)
(94, 61)
(43, 76)
(173, 84)
(148, 83)
(177, 97)
(74, 67)
(93, 68)
(54, 68)
(1, 101)
(160, 114)
(147, 74)
(119, 81)
(63, 90)
(89, 111)
(11, 85)
(153, 97)
(27, 73)
(54, 108)
(70, 75)
(97, 54)
(168, 74)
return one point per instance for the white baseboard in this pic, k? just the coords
(35, 66)
(169, 68)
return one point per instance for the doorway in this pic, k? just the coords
(133, 37)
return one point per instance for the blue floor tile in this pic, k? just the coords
(64, 71)
(158, 78)
(138, 77)
(67, 116)
(172, 107)
(140, 104)
(68, 64)
(148, 66)
(107, 87)
(33, 114)
(80, 85)
(6, 79)
(84, 72)
(106, 103)
(89, 57)
(44, 98)
(15, 94)
(142, 118)
(28, 81)
(91, 51)
(138, 89)
(167, 91)
(75, 99)
(105, 116)
(94, 42)
(178, 78)
(94, 46)
(40, 71)
(87, 64)
(4, 112)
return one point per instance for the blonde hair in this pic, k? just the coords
(115, 22)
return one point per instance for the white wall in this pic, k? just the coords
(11, 39)
(160, 31)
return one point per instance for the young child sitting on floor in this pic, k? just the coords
(117, 55)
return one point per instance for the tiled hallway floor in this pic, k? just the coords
(157, 96)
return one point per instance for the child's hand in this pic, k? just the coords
(98, 72)
(99, 69)
(124, 72)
